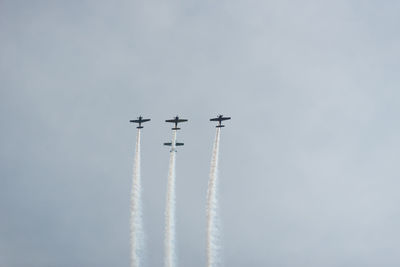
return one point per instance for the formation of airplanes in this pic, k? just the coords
(176, 120)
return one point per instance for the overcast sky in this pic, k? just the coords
(309, 171)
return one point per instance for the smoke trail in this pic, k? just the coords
(170, 257)
(213, 232)
(136, 211)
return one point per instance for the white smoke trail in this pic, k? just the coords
(136, 226)
(170, 254)
(213, 231)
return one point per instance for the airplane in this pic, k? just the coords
(140, 120)
(176, 120)
(220, 118)
(173, 148)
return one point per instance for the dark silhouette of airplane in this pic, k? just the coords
(220, 118)
(173, 148)
(176, 120)
(140, 120)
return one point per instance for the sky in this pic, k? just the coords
(308, 163)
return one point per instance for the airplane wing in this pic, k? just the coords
(136, 121)
(173, 121)
(144, 120)
(182, 120)
(179, 144)
(167, 144)
(220, 119)
(225, 118)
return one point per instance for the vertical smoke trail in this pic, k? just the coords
(170, 257)
(136, 211)
(213, 234)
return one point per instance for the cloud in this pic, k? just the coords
(308, 162)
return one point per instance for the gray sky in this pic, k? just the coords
(308, 173)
